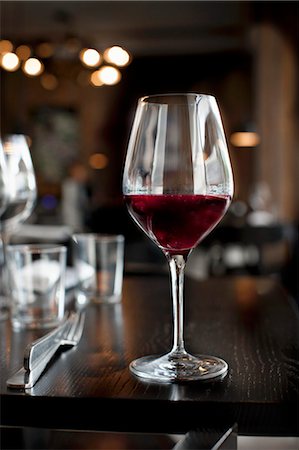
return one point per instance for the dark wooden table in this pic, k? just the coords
(249, 322)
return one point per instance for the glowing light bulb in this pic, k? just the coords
(109, 75)
(10, 61)
(33, 67)
(117, 55)
(245, 139)
(95, 79)
(90, 57)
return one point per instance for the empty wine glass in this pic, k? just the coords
(4, 194)
(22, 193)
(3, 202)
(177, 184)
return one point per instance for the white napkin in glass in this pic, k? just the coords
(39, 276)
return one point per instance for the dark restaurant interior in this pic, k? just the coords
(245, 53)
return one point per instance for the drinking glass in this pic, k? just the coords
(22, 193)
(177, 185)
(4, 194)
(3, 181)
(37, 279)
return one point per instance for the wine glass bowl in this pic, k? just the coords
(21, 183)
(4, 196)
(177, 185)
(4, 193)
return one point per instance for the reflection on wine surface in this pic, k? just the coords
(177, 185)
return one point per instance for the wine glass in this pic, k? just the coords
(4, 195)
(177, 185)
(22, 194)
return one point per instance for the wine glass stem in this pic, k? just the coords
(4, 241)
(177, 265)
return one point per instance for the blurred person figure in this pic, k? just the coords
(75, 198)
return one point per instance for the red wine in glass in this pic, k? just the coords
(177, 222)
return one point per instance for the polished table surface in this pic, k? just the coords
(250, 322)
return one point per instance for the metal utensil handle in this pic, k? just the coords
(27, 378)
(36, 349)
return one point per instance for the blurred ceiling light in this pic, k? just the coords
(95, 79)
(117, 55)
(33, 67)
(245, 139)
(5, 46)
(98, 161)
(90, 57)
(109, 75)
(49, 81)
(68, 48)
(44, 50)
(23, 52)
(10, 62)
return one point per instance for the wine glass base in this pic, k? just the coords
(186, 368)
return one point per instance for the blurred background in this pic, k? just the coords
(76, 107)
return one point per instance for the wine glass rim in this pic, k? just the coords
(10, 136)
(98, 237)
(150, 99)
(37, 248)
